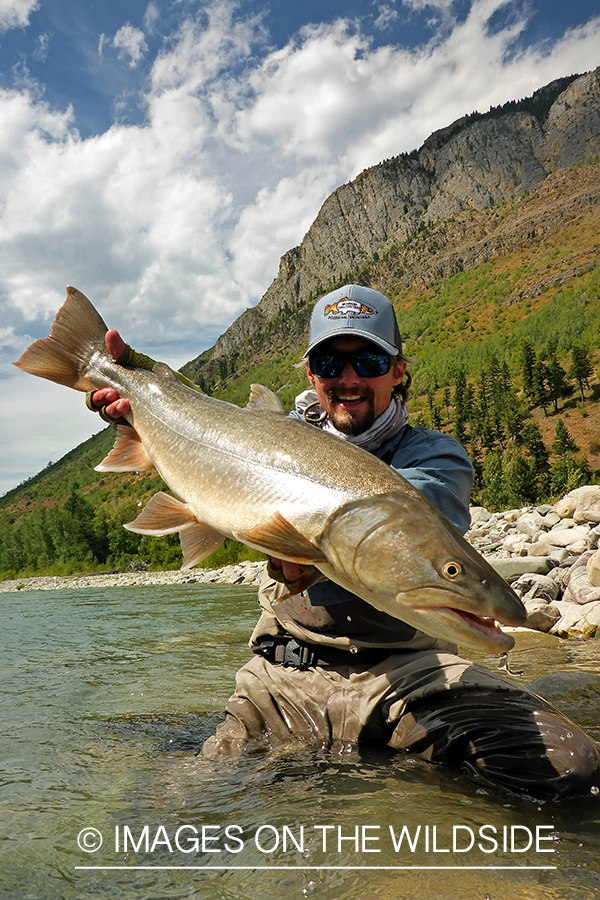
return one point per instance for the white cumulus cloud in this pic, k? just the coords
(15, 13)
(130, 44)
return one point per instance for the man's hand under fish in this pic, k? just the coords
(115, 406)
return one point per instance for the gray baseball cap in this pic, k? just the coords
(355, 311)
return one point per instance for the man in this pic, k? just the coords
(331, 671)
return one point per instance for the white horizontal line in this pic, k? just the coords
(319, 868)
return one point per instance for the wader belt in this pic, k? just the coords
(288, 651)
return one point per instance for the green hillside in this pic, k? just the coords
(500, 312)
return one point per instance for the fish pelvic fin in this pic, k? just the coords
(278, 537)
(63, 356)
(127, 455)
(264, 400)
(164, 514)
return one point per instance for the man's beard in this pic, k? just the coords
(345, 420)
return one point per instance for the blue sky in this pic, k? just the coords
(162, 156)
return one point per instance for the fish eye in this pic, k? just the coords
(452, 570)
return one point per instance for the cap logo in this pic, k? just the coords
(349, 309)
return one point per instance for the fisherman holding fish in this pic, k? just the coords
(332, 667)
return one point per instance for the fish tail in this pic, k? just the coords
(64, 356)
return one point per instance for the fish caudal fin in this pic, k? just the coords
(127, 455)
(63, 356)
(164, 514)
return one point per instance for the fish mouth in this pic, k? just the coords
(462, 626)
(476, 632)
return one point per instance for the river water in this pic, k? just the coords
(106, 696)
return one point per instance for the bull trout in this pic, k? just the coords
(283, 487)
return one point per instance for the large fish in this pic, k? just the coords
(283, 487)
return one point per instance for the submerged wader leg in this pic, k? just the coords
(513, 741)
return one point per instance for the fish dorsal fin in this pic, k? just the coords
(127, 455)
(164, 514)
(279, 538)
(164, 370)
(264, 400)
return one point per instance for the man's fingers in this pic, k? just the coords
(103, 396)
(114, 343)
(115, 406)
(118, 409)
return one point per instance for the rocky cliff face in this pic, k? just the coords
(475, 163)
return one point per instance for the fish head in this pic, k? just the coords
(399, 553)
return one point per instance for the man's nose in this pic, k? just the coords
(348, 375)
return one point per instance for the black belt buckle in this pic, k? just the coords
(298, 655)
(287, 652)
(266, 648)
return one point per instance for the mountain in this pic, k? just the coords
(486, 240)
(477, 162)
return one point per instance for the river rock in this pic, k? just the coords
(513, 567)
(593, 569)
(518, 544)
(479, 514)
(577, 620)
(593, 538)
(541, 616)
(578, 588)
(560, 684)
(559, 537)
(531, 524)
(536, 587)
(583, 504)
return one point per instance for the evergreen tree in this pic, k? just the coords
(492, 488)
(540, 393)
(527, 360)
(447, 398)
(581, 367)
(557, 380)
(461, 407)
(568, 473)
(518, 482)
(563, 443)
(533, 443)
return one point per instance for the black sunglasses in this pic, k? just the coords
(365, 364)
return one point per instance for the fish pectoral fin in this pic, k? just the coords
(197, 542)
(162, 514)
(127, 455)
(264, 400)
(279, 538)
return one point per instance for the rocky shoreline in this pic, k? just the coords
(549, 554)
(246, 573)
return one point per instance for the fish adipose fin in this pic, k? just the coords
(127, 455)
(264, 400)
(164, 514)
(279, 538)
(64, 355)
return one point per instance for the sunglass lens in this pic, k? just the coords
(366, 365)
(371, 365)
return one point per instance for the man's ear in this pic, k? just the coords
(309, 375)
(398, 371)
